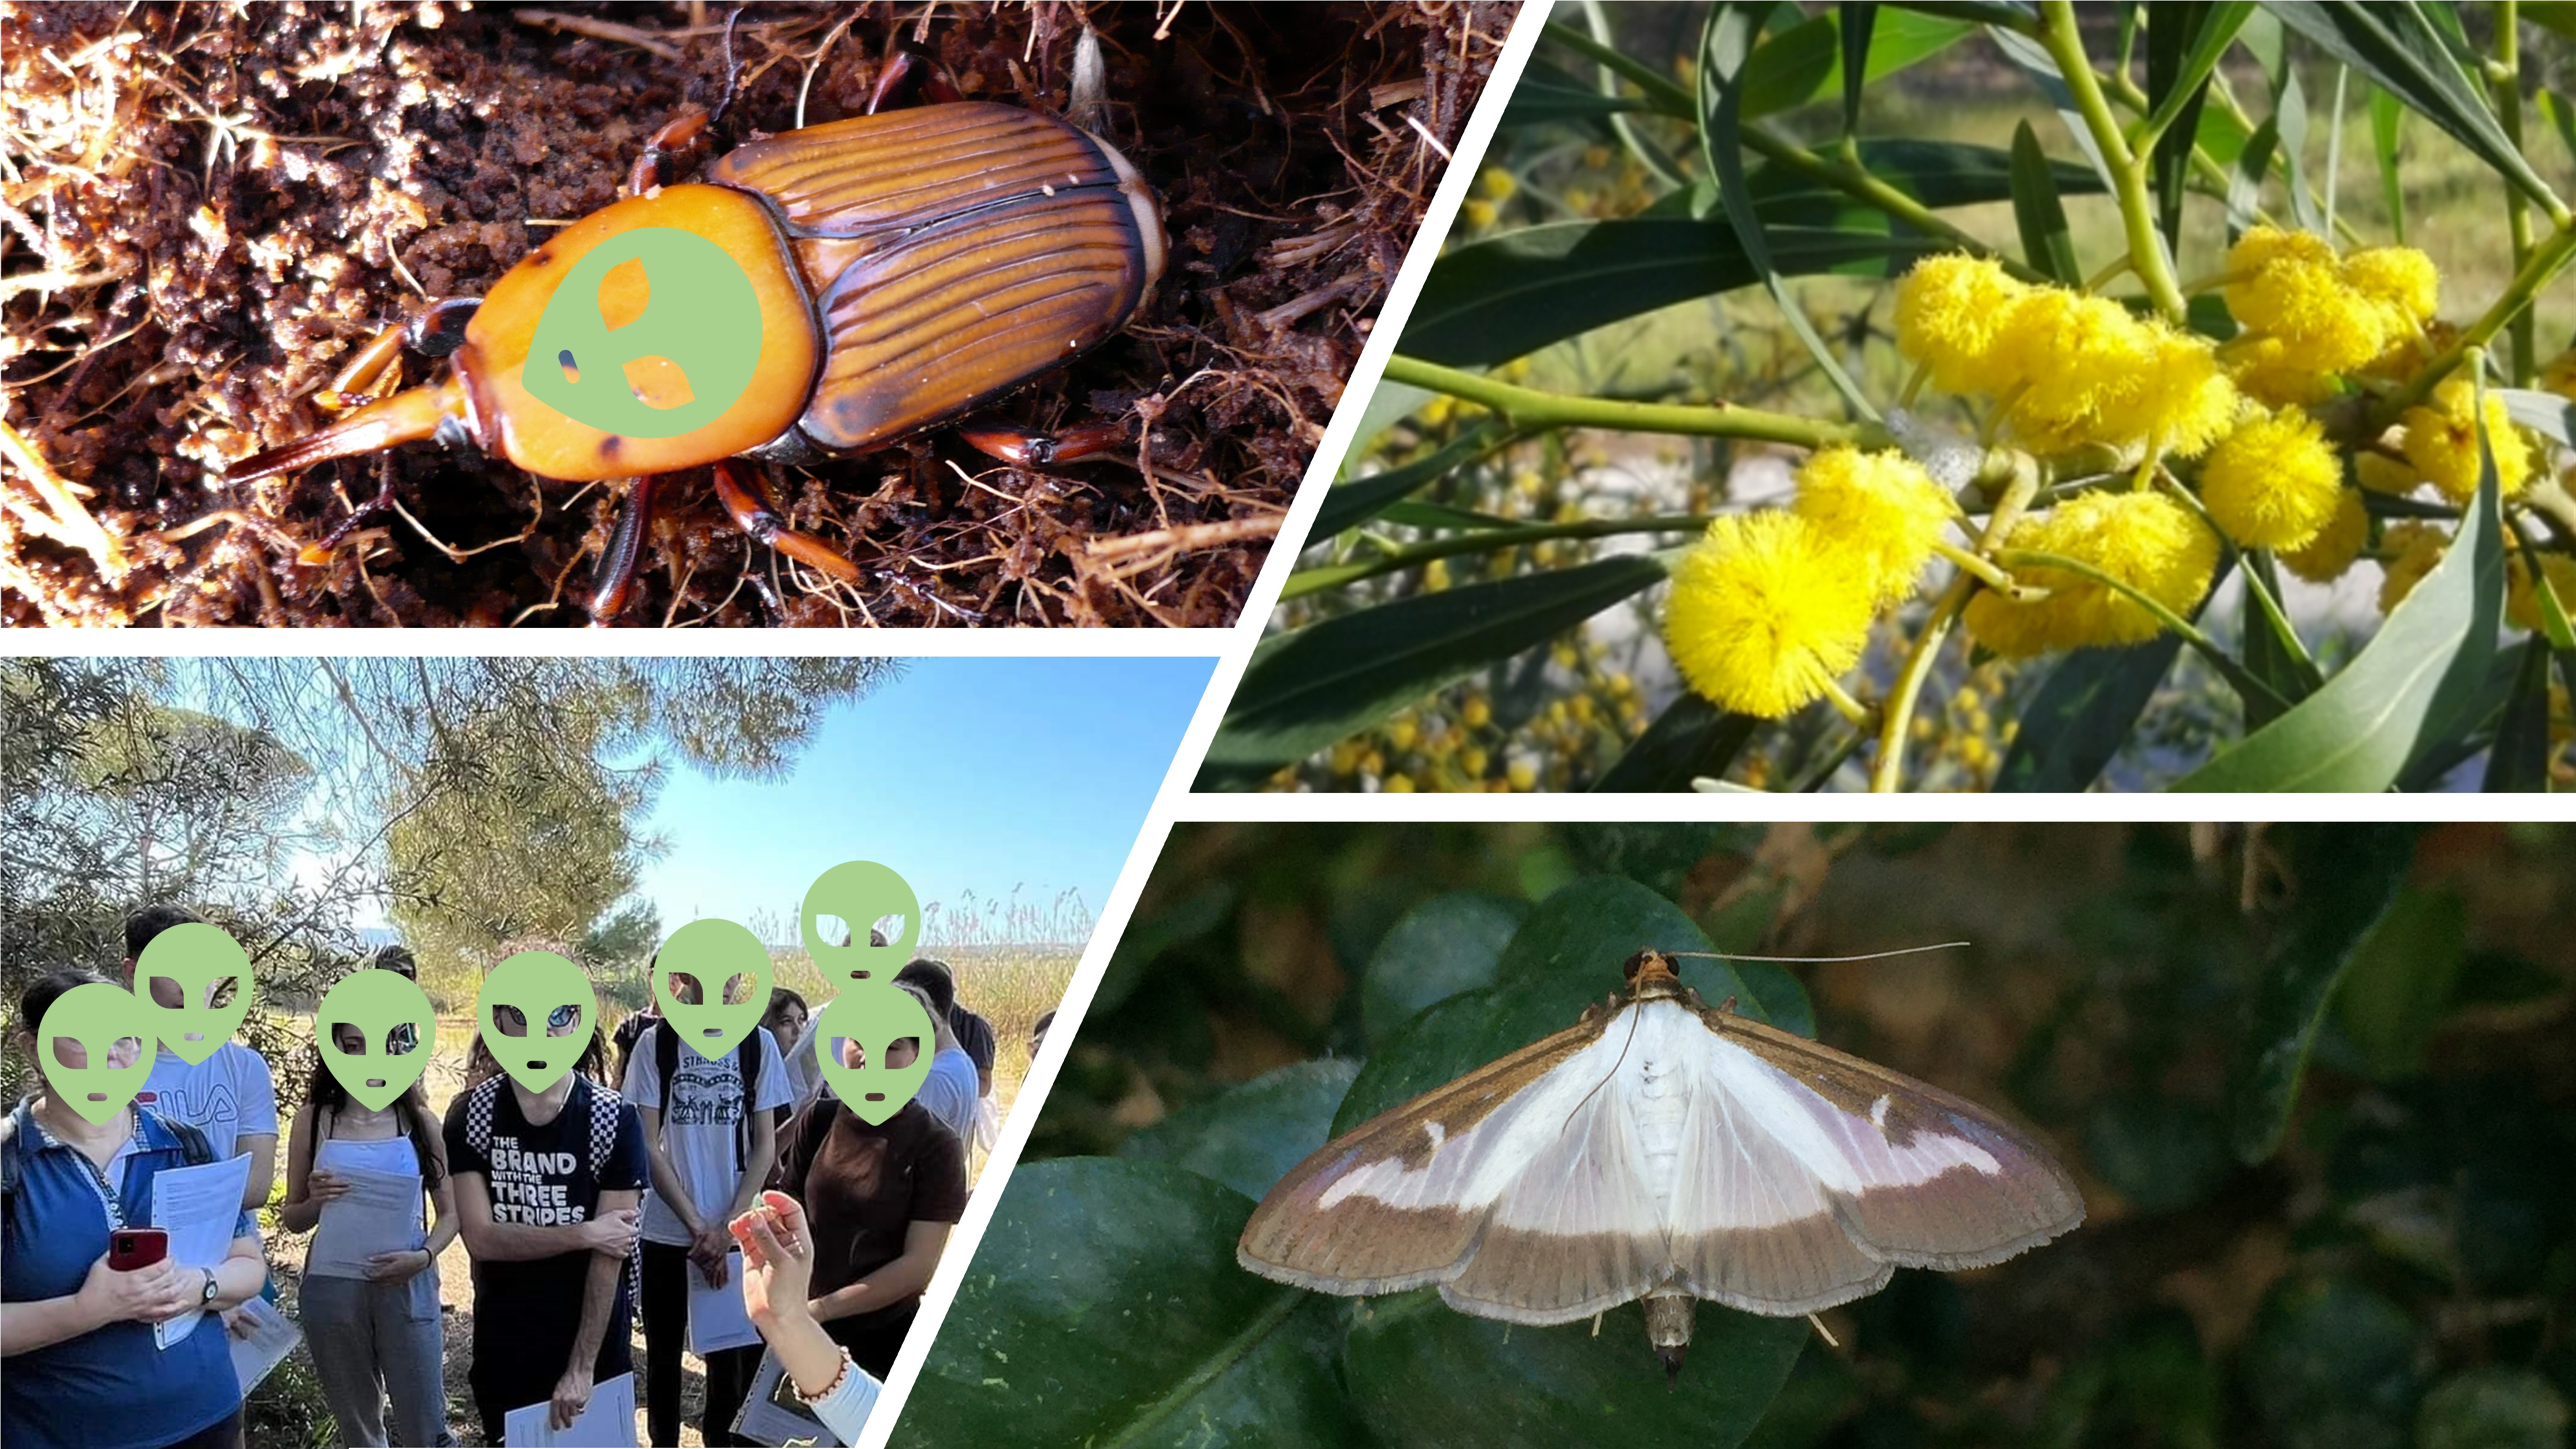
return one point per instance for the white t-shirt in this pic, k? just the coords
(948, 1093)
(698, 1128)
(228, 1096)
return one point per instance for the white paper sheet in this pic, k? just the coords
(609, 1422)
(272, 1338)
(198, 1207)
(773, 1414)
(380, 1213)
(717, 1319)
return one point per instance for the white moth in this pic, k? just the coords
(1663, 1150)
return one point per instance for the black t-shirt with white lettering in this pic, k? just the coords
(542, 1177)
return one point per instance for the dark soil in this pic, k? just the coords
(205, 210)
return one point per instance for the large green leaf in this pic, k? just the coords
(1547, 94)
(1501, 297)
(2411, 687)
(2082, 714)
(2399, 984)
(1691, 738)
(2519, 758)
(1939, 174)
(1105, 1307)
(2345, 877)
(1448, 944)
(2398, 47)
(1807, 60)
(1356, 501)
(2046, 243)
(1249, 1135)
(1312, 686)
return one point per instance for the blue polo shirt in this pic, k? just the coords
(111, 1388)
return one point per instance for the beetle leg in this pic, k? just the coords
(1028, 447)
(439, 328)
(748, 505)
(614, 583)
(674, 137)
(371, 375)
(897, 66)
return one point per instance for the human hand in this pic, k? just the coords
(324, 1186)
(395, 1266)
(149, 1294)
(238, 1322)
(613, 1233)
(572, 1395)
(777, 1260)
(711, 1249)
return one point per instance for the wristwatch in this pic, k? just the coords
(206, 1299)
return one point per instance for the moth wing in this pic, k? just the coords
(1401, 1200)
(1917, 1177)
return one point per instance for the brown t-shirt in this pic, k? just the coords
(863, 1187)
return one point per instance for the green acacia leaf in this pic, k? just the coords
(2083, 714)
(2416, 684)
(2045, 241)
(1312, 686)
(1347, 505)
(1692, 737)
(1857, 21)
(2518, 761)
(2387, 131)
(1547, 94)
(1249, 1135)
(2399, 48)
(2184, 42)
(2399, 984)
(1448, 944)
(1105, 1307)
(1515, 1384)
(2347, 875)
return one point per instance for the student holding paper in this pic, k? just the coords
(77, 1334)
(375, 1331)
(778, 1271)
(231, 1096)
(710, 1129)
(547, 1188)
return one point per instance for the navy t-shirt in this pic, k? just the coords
(526, 1314)
(112, 1388)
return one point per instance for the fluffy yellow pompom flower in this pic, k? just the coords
(2177, 402)
(1761, 620)
(2522, 605)
(1949, 309)
(2072, 354)
(2382, 474)
(2442, 443)
(1877, 512)
(2414, 548)
(2398, 277)
(2288, 285)
(2145, 540)
(2329, 555)
(2266, 370)
(2273, 482)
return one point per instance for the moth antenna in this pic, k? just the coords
(1822, 960)
(1726, 1007)
(1605, 1078)
(1824, 1333)
(1596, 1325)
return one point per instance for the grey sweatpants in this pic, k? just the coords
(374, 1341)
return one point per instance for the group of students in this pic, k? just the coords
(579, 1206)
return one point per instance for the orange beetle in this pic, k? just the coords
(909, 266)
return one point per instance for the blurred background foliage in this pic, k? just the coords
(2317, 1083)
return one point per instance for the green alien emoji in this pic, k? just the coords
(711, 953)
(189, 961)
(703, 317)
(517, 1007)
(875, 1049)
(354, 1027)
(860, 892)
(110, 1032)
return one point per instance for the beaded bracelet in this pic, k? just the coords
(831, 1388)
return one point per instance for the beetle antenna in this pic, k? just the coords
(403, 418)
(733, 68)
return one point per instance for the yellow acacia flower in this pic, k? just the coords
(2414, 547)
(2442, 443)
(2522, 605)
(1879, 512)
(2288, 285)
(2266, 370)
(2146, 540)
(2382, 474)
(1949, 309)
(1497, 183)
(2177, 402)
(2398, 277)
(1760, 620)
(2329, 555)
(2073, 356)
(2273, 482)
(2558, 375)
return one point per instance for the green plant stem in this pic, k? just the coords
(2548, 257)
(1857, 183)
(1530, 411)
(1649, 155)
(2238, 677)
(1667, 94)
(1482, 540)
(2128, 171)
(1825, 770)
(2506, 84)
(1887, 771)
(2122, 89)
(2262, 596)
(1984, 568)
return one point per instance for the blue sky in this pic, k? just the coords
(966, 774)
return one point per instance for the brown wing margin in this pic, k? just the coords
(1960, 1219)
(1360, 1245)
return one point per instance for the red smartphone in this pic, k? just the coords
(132, 1248)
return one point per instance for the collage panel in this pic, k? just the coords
(1968, 398)
(1978, 1133)
(482, 984)
(943, 315)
